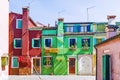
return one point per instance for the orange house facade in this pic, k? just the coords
(24, 50)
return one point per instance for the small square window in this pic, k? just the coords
(48, 43)
(19, 23)
(15, 63)
(17, 43)
(36, 42)
(47, 61)
(72, 43)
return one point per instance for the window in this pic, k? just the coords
(17, 43)
(99, 40)
(15, 63)
(72, 43)
(48, 43)
(85, 44)
(36, 42)
(85, 28)
(19, 23)
(69, 29)
(47, 61)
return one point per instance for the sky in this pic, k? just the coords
(48, 11)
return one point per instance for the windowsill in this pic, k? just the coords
(15, 67)
(72, 48)
(18, 47)
(18, 28)
(85, 48)
(36, 47)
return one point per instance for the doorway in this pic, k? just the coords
(71, 65)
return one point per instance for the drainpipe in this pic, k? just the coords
(96, 61)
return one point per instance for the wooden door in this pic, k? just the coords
(71, 65)
(36, 65)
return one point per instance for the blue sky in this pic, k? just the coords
(47, 11)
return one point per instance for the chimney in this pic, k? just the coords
(111, 28)
(60, 19)
(25, 32)
(48, 25)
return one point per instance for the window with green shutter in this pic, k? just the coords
(15, 63)
(36, 43)
(19, 23)
(17, 43)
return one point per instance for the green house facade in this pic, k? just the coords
(68, 49)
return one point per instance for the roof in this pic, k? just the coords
(114, 37)
(49, 28)
(78, 22)
(35, 28)
(113, 26)
(21, 15)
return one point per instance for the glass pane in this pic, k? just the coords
(47, 61)
(48, 42)
(37, 43)
(15, 62)
(19, 23)
(72, 43)
(18, 43)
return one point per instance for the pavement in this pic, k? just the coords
(53, 77)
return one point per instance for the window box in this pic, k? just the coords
(72, 48)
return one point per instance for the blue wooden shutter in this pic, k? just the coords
(74, 28)
(103, 39)
(88, 28)
(65, 29)
(79, 28)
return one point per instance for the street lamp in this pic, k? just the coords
(88, 13)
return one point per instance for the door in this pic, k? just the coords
(71, 65)
(36, 65)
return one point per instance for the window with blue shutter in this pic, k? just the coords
(74, 28)
(79, 28)
(88, 28)
(19, 23)
(48, 43)
(72, 43)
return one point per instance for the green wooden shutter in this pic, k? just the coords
(106, 67)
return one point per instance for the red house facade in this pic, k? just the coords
(24, 44)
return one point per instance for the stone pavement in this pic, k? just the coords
(46, 77)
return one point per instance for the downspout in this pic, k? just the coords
(96, 60)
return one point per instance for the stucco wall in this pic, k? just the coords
(111, 48)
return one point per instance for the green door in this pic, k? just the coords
(106, 67)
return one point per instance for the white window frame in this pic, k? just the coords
(36, 39)
(69, 42)
(12, 62)
(32, 64)
(44, 42)
(17, 23)
(14, 42)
